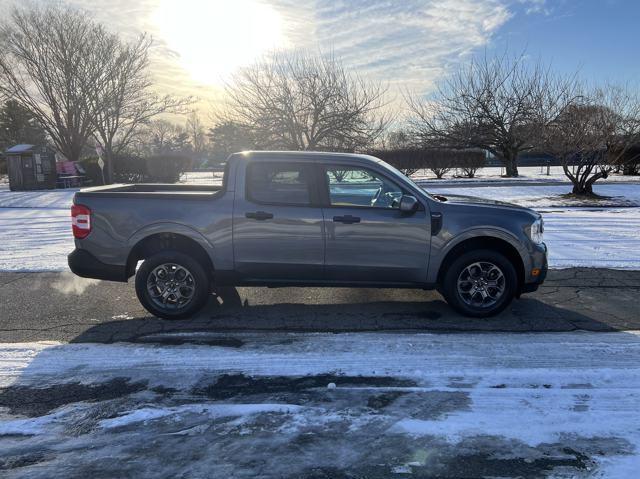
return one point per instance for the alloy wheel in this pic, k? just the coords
(171, 286)
(481, 284)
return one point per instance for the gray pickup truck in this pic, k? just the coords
(306, 219)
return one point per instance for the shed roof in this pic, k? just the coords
(22, 148)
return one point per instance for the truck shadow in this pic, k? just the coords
(352, 310)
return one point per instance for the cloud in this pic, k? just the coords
(536, 7)
(409, 43)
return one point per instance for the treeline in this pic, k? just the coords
(80, 86)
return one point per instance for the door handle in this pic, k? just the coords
(347, 219)
(259, 215)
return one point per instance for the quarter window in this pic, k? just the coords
(279, 183)
(361, 187)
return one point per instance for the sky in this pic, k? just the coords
(408, 44)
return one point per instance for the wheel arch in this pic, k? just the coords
(146, 246)
(494, 243)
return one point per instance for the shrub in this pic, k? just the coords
(165, 168)
(129, 169)
(631, 161)
(439, 161)
(470, 161)
(406, 160)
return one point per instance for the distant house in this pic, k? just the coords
(31, 167)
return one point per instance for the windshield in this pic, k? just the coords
(406, 178)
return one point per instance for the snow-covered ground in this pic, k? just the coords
(539, 197)
(605, 238)
(326, 405)
(35, 231)
(526, 174)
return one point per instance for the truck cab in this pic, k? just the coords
(306, 219)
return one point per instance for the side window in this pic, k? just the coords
(280, 183)
(361, 187)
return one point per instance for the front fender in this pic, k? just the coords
(441, 247)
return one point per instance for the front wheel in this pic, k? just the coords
(480, 283)
(172, 285)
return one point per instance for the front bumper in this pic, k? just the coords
(84, 264)
(539, 261)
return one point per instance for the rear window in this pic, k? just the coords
(279, 183)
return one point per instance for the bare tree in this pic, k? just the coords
(160, 137)
(122, 100)
(397, 140)
(306, 102)
(78, 79)
(592, 133)
(490, 104)
(197, 135)
(44, 54)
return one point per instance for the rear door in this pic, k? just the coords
(368, 239)
(278, 223)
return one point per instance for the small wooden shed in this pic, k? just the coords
(31, 167)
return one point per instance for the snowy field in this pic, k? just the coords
(562, 405)
(35, 227)
(527, 174)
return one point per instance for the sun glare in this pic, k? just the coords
(215, 37)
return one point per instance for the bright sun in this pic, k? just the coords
(215, 37)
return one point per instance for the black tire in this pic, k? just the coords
(459, 302)
(173, 310)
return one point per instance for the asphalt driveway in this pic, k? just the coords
(62, 307)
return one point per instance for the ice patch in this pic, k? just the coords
(211, 410)
(541, 416)
(618, 466)
(28, 427)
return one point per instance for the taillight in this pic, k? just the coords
(80, 221)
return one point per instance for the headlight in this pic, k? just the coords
(536, 231)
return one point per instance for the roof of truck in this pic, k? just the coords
(305, 154)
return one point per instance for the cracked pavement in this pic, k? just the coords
(62, 307)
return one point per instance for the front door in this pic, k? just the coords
(368, 238)
(278, 224)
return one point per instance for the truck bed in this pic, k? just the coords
(151, 190)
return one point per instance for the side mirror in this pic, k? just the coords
(408, 204)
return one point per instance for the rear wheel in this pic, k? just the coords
(480, 283)
(172, 285)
